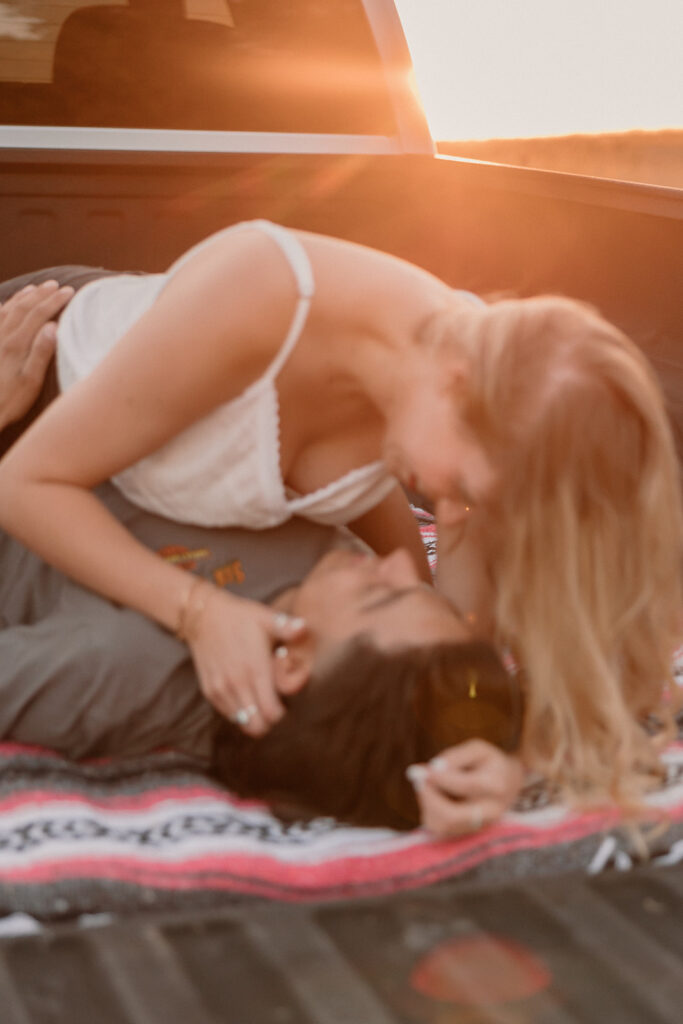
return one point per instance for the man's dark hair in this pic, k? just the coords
(343, 746)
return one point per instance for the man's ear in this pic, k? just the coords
(292, 664)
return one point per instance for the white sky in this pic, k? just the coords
(505, 68)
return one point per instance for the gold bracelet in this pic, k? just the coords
(184, 627)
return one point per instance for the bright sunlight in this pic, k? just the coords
(498, 69)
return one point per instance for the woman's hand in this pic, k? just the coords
(466, 788)
(27, 344)
(232, 641)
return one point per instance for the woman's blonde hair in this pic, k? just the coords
(587, 533)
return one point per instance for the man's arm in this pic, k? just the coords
(27, 344)
(466, 788)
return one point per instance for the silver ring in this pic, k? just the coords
(476, 818)
(281, 620)
(244, 715)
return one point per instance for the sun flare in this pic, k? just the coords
(492, 69)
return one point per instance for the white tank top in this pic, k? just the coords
(223, 470)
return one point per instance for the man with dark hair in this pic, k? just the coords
(393, 677)
(357, 732)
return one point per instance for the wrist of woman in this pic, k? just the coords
(192, 605)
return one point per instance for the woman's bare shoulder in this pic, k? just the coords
(235, 299)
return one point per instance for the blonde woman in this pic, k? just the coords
(576, 559)
(273, 372)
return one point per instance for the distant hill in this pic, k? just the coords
(652, 157)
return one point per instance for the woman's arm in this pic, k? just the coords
(208, 335)
(203, 341)
(391, 525)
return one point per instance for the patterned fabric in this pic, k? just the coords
(427, 526)
(156, 833)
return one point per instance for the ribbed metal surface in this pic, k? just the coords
(565, 951)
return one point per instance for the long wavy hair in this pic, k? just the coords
(584, 536)
(364, 716)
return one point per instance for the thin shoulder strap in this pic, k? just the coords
(476, 300)
(298, 260)
(297, 257)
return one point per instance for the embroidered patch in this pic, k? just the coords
(230, 573)
(184, 558)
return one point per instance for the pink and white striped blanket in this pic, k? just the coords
(157, 833)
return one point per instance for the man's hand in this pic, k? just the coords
(466, 788)
(27, 343)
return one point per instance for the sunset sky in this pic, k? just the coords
(505, 68)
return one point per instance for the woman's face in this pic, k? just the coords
(429, 447)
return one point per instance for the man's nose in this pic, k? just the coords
(451, 511)
(399, 568)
